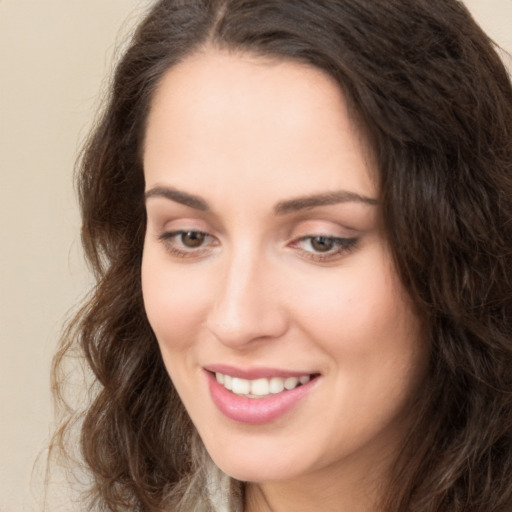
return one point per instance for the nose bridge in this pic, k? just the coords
(247, 305)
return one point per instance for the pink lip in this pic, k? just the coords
(255, 411)
(253, 373)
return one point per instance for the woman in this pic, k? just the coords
(298, 214)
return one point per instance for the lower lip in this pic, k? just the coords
(255, 411)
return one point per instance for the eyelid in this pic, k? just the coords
(341, 245)
(345, 245)
(168, 238)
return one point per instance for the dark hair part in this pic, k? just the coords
(435, 103)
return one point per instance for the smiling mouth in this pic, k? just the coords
(262, 387)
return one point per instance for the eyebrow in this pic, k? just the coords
(315, 200)
(190, 200)
(281, 208)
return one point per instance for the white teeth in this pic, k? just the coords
(291, 382)
(260, 387)
(276, 385)
(241, 386)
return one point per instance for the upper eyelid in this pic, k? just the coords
(331, 225)
(336, 253)
(343, 239)
(176, 232)
(168, 233)
(160, 214)
(166, 222)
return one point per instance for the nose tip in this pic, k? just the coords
(246, 310)
(240, 330)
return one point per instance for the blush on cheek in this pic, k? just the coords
(169, 321)
(173, 307)
(342, 313)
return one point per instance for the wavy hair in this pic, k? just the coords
(434, 100)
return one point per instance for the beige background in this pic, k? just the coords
(54, 56)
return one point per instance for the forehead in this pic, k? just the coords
(245, 120)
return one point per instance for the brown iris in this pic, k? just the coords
(192, 239)
(322, 243)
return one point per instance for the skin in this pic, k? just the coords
(244, 134)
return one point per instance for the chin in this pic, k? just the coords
(253, 473)
(255, 465)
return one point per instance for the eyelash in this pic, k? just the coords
(169, 240)
(341, 245)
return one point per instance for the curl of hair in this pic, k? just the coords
(435, 103)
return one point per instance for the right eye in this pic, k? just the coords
(187, 243)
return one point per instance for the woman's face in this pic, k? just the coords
(265, 268)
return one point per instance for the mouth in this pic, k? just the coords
(262, 387)
(258, 396)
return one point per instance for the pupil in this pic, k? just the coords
(192, 239)
(321, 243)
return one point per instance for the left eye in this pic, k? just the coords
(322, 243)
(323, 246)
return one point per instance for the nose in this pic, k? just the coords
(247, 307)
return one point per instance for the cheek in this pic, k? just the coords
(373, 339)
(353, 304)
(174, 305)
(363, 319)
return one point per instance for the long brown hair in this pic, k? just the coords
(435, 103)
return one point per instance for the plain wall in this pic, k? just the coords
(54, 57)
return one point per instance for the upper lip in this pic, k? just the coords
(255, 372)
